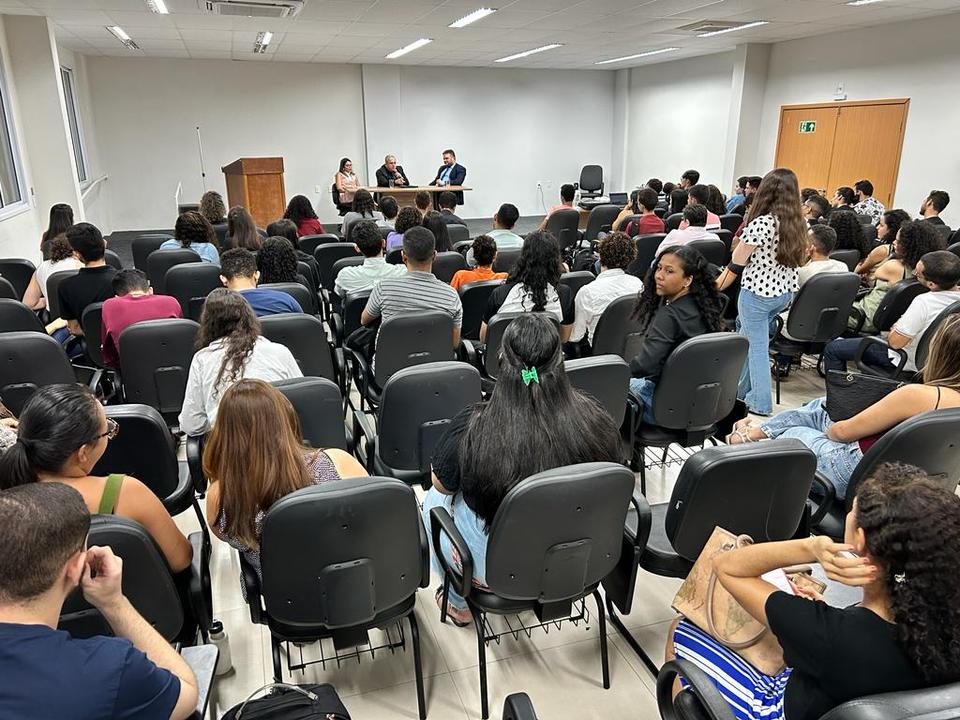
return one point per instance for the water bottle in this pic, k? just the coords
(576, 197)
(219, 637)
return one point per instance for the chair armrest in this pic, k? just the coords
(195, 463)
(644, 519)
(366, 437)
(440, 521)
(779, 323)
(829, 498)
(201, 596)
(424, 553)
(251, 587)
(202, 659)
(860, 316)
(711, 701)
(869, 370)
(467, 352)
(359, 370)
(336, 329)
(518, 707)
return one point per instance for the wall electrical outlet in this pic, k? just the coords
(318, 189)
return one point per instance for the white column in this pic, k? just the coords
(617, 180)
(748, 85)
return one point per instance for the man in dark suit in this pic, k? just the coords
(391, 171)
(451, 173)
(448, 203)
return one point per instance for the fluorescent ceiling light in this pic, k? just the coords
(409, 48)
(263, 39)
(158, 6)
(478, 14)
(638, 55)
(121, 35)
(525, 53)
(855, 3)
(734, 29)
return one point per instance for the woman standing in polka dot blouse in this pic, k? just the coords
(772, 246)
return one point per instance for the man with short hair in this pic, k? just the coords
(93, 283)
(617, 250)
(815, 208)
(503, 221)
(390, 174)
(451, 173)
(753, 184)
(689, 179)
(695, 217)
(389, 207)
(238, 271)
(648, 222)
(823, 240)
(844, 198)
(739, 194)
(134, 302)
(700, 195)
(448, 203)
(366, 236)
(867, 204)
(567, 193)
(48, 674)
(417, 290)
(930, 209)
(424, 202)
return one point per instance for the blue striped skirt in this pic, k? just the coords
(749, 693)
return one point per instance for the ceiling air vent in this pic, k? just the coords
(253, 8)
(712, 26)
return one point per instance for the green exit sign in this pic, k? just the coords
(808, 126)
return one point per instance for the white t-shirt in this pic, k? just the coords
(519, 300)
(914, 322)
(48, 268)
(764, 276)
(815, 267)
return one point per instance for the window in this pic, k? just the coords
(11, 179)
(70, 98)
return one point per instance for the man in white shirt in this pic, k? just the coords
(867, 204)
(695, 218)
(823, 239)
(502, 232)
(366, 235)
(617, 251)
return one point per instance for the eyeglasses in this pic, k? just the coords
(113, 427)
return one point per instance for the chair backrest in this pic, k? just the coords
(190, 283)
(506, 259)
(337, 554)
(673, 221)
(923, 704)
(955, 249)
(305, 337)
(298, 291)
(155, 359)
(160, 261)
(17, 317)
(576, 280)
(605, 378)
(346, 262)
(30, 360)
(923, 346)
(601, 217)
(415, 339)
(726, 237)
(385, 231)
(395, 256)
(591, 178)
(8, 291)
(731, 222)
(92, 323)
(559, 532)
(495, 329)
(326, 255)
(622, 227)
(870, 233)
(53, 290)
(319, 406)
(617, 332)
(310, 243)
(147, 582)
(474, 297)
(698, 385)
(714, 251)
(143, 245)
(18, 272)
(895, 302)
(563, 225)
(730, 486)
(864, 218)
(351, 310)
(112, 259)
(458, 232)
(417, 405)
(446, 264)
(646, 253)
(221, 230)
(820, 311)
(850, 258)
(305, 275)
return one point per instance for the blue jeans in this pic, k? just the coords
(756, 323)
(839, 352)
(809, 425)
(471, 527)
(643, 389)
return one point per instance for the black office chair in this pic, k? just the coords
(625, 223)
(155, 359)
(673, 222)
(893, 305)
(326, 256)
(474, 297)
(714, 251)
(416, 407)
(112, 259)
(17, 317)
(864, 218)
(850, 258)
(310, 243)
(599, 220)
(731, 222)
(923, 345)
(458, 233)
(758, 490)
(506, 259)
(220, 230)
(361, 544)
(304, 336)
(347, 319)
(190, 283)
(486, 357)
(18, 272)
(395, 256)
(726, 237)
(591, 181)
(576, 280)
(646, 253)
(305, 275)
(518, 707)
(160, 261)
(617, 331)
(53, 291)
(143, 245)
(8, 291)
(563, 225)
(696, 390)
(555, 536)
(30, 360)
(319, 406)
(92, 323)
(336, 302)
(446, 264)
(870, 233)
(606, 378)
(306, 299)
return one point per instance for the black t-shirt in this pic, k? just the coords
(671, 325)
(88, 286)
(446, 453)
(499, 296)
(836, 655)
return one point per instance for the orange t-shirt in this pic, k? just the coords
(468, 276)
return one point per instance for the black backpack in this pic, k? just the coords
(291, 702)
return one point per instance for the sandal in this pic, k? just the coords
(459, 617)
(743, 433)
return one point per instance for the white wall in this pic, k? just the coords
(509, 127)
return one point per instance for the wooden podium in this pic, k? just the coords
(257, 184)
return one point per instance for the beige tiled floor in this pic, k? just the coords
(560, 670)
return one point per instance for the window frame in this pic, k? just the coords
(67, 76)
(23, 204)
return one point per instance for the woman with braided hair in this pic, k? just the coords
(487, 448)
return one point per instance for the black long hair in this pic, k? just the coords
(61, 218)
(300, 209)
(433, 222)
(703, 289)
(678, 201)
(538, 267)
(528, 428)
(227, 315)
(849, 231)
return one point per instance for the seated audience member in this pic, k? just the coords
(363, 209)
(815, 208)
(424, 202)
(656, 185)
(230, 348)
(347, 184)
(887, 230)
(750, 189)
(678, 201)
(301, 211)
(47, 673)
(630, 208)
(679, 301)
(134, 302)
(238, 271)
(534, 286)
(716, 203)
(900, 547)
(366, 235)
(503, 223)
(277, 263)
(448, 204)
(389, 208)
(913, 240)
(839, 446)
(288, 230)
(488, 448)
(689, 179)
(939, 271)
(867, 204)
(93, 283)
(433, 221)
(648, 222)
(823, 239)
(61, 219)
(417, 290)
(213, 208)
(849, 232)
(241, 230)
(807, 192)
(390, 174)
(700, 195)
(739, 194)
(617, 250)
(60, 258)
(484, 253)
(844, 198)
(692, 228)
(407, 218)
(935, 203)
(62, 433)
(194, 232)
(246, 478)
(664, 199)
(567, 194)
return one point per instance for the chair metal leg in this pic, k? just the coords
(630, 639)
(776, 374)
(643, 473)
(482, 654)
(604, 658)
(663, 457)
(417, 663)
(277, 665)
(444, 598)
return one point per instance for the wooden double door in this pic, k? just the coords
(836, 144)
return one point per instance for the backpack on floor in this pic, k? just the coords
(291, 702)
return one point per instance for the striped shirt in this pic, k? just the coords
(414, 291)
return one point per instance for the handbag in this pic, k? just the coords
(849, 393)
(291, 702)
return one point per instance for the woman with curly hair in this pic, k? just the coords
(679, 301)
(887, 230)
(213, 208)
(229, 347)
(849, 232)
(194, 232)
(364, 208)
(407, 218)
(241, 230)
(534, 286)
(900, 546)
(302, 213)
(277, 262)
